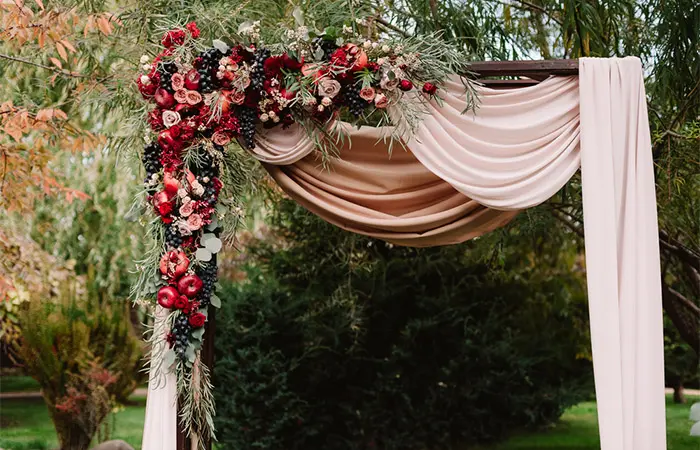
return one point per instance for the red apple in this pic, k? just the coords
(171, 184)
(174, 264)
(167, 296)
(192, 80)
(190, 285)
(163, 98)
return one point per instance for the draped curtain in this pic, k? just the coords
(465, 174)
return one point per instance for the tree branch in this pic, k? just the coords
(390, 26)
(683, 253)
(527, 6)
(42, 66)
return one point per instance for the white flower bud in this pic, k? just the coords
(145, 80)
(264, 117)
(386, 48)
(145, 59)
(326, 101)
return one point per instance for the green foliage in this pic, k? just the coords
(339, 341)
(84, 355)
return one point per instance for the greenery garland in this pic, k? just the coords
(207, 98)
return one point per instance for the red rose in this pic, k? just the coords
(217, 184)
(181, 302)
(147, 90)
(191, 307)
(291, 63)
(197, 320)
(155, 120)
(429, 88)
(273, 66)
(192, 28)
(162, 204)
(339, 58)
(173, 38)
(405, 85)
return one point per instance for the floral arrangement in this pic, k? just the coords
(203, 99)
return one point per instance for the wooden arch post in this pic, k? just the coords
(524, 73)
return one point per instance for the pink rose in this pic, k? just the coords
(381, 101)
(177, 81)
(194, 222)
(238, 98)
(367, 94)
(170, 118)
(184, 228)
(181, 96)
(388, 84)
(220, 138)
(328, 88)
(187, 209)
(193, 97)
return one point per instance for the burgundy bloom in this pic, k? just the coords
(155, 120)
(405, 85)
(192, 28)
(173, 38)
(197, 320)
(273, 66)
(181, 302)
(429, 88)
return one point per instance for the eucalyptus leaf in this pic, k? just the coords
(298, 15)
(204, 311)
(169, 358)
(202, 254)
(218, 286)
(245, 25)
(190, 353)
(318, 54)
(220, 45)
(213, 245)
(215, 301)
(213, 225)
(198, 334)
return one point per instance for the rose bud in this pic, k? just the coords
(405, 85)
(192, 80)
(174, 264)
(197, 320)
(190, 285)
(429, 88)
(167, 296)
(181, 302)
(163, 98)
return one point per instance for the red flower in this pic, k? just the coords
(405, 85)
(339, 58)
(155, 120)
(291, 63)
(148, 90)
(192, 28)
(182, 302)
(174, 264)
(170, 339)
(191, 307)
(197, 320)
(162, 203)
(273, 66)
(429, 88)
(173, 38)
(373, 66)
(217, 184)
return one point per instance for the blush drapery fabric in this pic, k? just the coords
(517, 150)
(160, 427)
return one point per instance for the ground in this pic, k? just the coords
(25, 425)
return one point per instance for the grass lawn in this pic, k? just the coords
(18, 383)
(25, 425)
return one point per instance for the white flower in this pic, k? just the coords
(183, 228)
(147, 67)
(386, 48)
(326, 101)
(264, 117)
(272, 114)
(290, 34)
(145, 80)
(320, 108)
(182, 193)
(197, 188)
(145, 59)
(276, 119)
(328, 88)
(205, 179)
(347, 29)
(381, 61)
(367, 44)
(170, 118)
(375, 44)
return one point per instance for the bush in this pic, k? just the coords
(82, 352)
(340, 342)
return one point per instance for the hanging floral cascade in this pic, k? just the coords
(202, 100)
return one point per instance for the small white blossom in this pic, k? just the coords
(347, 29)
(272, 114)
(375, 44)
(386, 48)
(381, 61)
(276, 119)
(145, 59)
(320, 108)
(367, 45)
(197, 188)
(145, 80)
(205, 179)
(291, 34)
(326, 101)
(182, 193)
(264, 117)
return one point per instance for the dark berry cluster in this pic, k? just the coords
(181, 335)
(207, 272)
(356, 104)
(166, 69)
(247, 118)
(173, 238)
(151, 159)
(257, 71)
(208, 63)
(326, 46)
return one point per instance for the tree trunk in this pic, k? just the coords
(678, 395)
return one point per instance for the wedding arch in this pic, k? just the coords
(435, 159)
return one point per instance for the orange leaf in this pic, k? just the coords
(62, 51)
(57, 62)
(104, 26)
(68, 45)
(14, 131)
(47, 114)
(40, 38)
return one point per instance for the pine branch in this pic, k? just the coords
(42, 66)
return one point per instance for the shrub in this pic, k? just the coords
(340, 342)
(81, 351)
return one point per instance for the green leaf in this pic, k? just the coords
(190, 353)
(244, 25)
(298, 15)
(202, 254)
(169, 358)
(215, 301)
(198, 334)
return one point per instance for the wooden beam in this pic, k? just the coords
(524, 68)
(508, 84)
